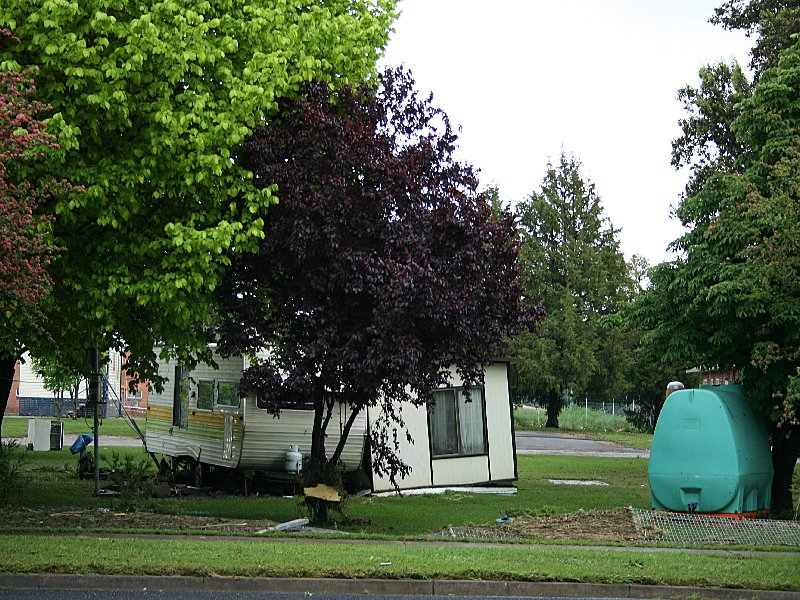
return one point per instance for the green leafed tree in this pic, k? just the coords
(571, 259)
(733, 298)
(708, 144)
(151, 102)
(773, 22)
(60, 379)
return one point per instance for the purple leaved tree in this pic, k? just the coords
(381, 267)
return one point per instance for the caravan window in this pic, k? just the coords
(294, 404)
(457, 423)
(180, 398)
(228, 393)
(205, 394)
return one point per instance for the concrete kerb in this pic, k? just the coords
(379, 587)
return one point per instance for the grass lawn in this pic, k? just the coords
(108, 555)
(640, 441)
(49, 482)
(627, 479)
(17, 427)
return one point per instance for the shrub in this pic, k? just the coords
(11, 458)
(572, 418)
(132, 477)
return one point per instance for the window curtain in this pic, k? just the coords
(470, 413)
(443, 423)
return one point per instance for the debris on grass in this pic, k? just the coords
(576, 482)
(615, 526)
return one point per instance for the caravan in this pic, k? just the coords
(200, 420)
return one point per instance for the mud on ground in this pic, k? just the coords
(104, 519)
(616, 526)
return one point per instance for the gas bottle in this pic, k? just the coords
(293, 461)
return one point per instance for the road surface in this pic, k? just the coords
(528, 442)
(540, 442)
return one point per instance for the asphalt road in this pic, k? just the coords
(539, 442)
(196, 595)
(528, 442)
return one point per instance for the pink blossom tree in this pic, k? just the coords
(26, 241)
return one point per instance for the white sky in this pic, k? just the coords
(597, 78)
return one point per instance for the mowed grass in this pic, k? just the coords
(50, 481)
(627, 479)
(269, 558)
(17, 427)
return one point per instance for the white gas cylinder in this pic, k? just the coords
(293, 461)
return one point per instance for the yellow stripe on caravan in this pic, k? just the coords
(196, 417)
(159, 413)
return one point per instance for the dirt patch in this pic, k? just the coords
(95, 519)
(616, 525)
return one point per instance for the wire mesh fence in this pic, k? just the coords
(637, 527)
(662, 526)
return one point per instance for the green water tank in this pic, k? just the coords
(710, 453)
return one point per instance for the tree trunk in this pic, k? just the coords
(319, 469)
(345, 434)
(318, 431)
(7, 365)
(785, 451)
(553, 408)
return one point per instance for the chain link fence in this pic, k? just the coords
(662, 526)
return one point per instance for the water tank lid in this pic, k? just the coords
(674, 385)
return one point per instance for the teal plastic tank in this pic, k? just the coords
(710, 454)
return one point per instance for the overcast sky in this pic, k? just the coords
(597, 78)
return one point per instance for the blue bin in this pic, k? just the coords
(81, 443)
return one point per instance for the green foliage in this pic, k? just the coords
(150, 103)
(132, 476)
(574, 418)
(11, 460)
(571, 260)
(707, 144)
(733, 298)
(774, 22)
(17, 427)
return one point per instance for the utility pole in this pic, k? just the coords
(94, 401)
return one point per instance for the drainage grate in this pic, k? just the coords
(664, 526)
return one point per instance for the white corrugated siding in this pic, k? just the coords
(267, 438)
(204, 437)
(260, 440)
